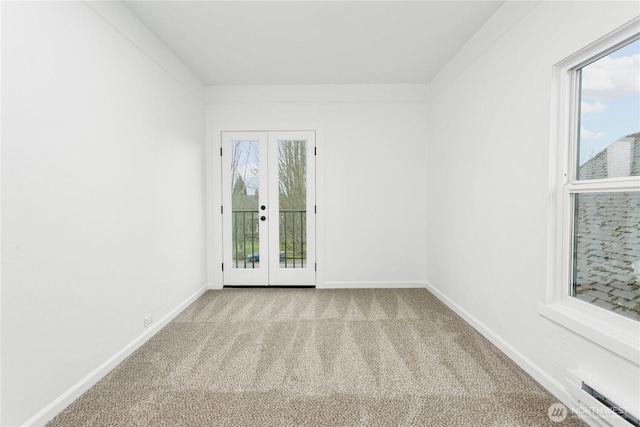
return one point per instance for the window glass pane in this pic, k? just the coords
(245, 244)
(606, 242)
(609, 137)
(292, 183)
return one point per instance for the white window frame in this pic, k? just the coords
(616, 333)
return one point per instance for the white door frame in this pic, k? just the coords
(214, 193)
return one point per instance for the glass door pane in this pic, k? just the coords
(245, 224)
(292, 207)
(292, 193)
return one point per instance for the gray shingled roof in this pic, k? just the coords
(608, 237)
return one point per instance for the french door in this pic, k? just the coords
(268, 208)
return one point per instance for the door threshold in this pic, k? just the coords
(268, 287)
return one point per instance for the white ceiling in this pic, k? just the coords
(313, 42)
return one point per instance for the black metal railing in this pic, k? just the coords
(293, 237)
(246, 238)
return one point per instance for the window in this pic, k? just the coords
(594, 282)
(605, 267)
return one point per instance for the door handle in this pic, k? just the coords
(262, 218)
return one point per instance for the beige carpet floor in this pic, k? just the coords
(307, 357)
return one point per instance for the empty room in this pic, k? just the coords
(320, 213)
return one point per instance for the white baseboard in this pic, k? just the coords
(554, 386)
(359, 285)
(66, 398)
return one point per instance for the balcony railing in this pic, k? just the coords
(245, 238)
(292, 238)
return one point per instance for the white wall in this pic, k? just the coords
(103, 195)
(371, 169)
(488, 174)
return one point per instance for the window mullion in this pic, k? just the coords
(606, 185)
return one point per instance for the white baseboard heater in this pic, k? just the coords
(597, 405)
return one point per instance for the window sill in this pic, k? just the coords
(624, 341)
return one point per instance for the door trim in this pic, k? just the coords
(213, 196)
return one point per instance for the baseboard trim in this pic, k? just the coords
(554, 386)
(66, 398)
(359, 285)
